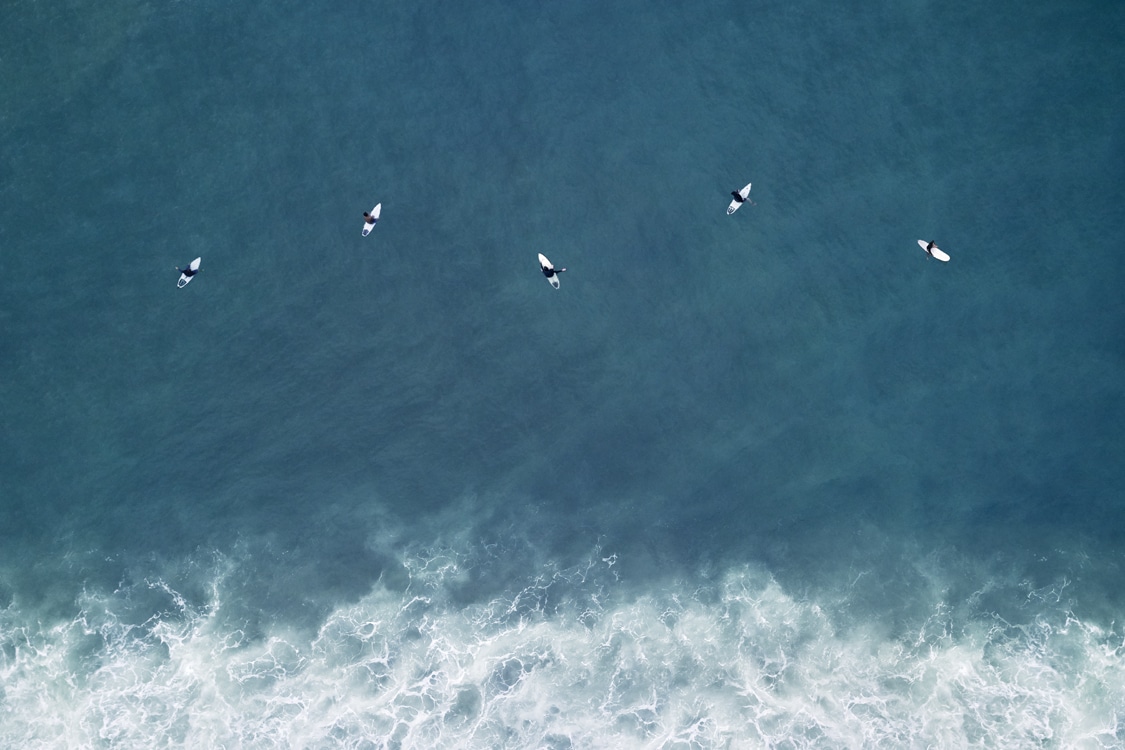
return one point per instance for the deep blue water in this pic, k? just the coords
(775, 479)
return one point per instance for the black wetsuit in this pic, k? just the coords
(187, 271)
(738, 196)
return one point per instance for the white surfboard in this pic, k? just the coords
(369, 225)
(933, 251)
(545, 264)
(184, 278)
(735, 204)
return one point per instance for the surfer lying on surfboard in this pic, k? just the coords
(739, 197)
(187, 273)
(549, 270)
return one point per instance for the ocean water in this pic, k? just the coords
(773, 480)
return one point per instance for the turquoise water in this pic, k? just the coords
(768, 480)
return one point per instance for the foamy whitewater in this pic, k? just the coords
(571, 659)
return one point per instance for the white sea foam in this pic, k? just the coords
(571, 659)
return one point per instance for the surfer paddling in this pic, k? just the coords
(550, 271)
(739, 197)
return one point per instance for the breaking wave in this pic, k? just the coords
(572, 658)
